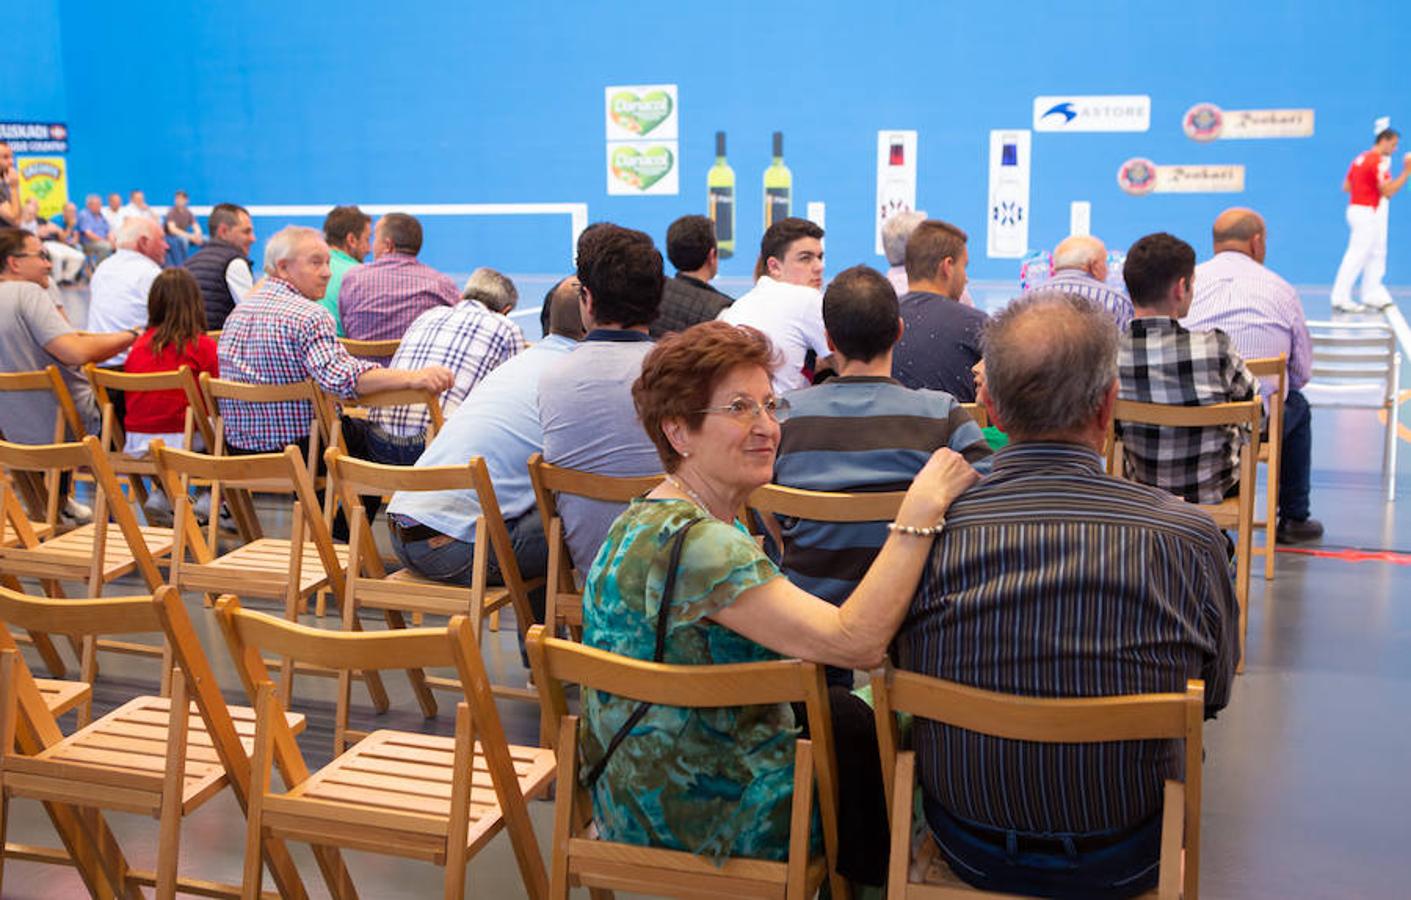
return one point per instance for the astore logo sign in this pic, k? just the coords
(1110, 112)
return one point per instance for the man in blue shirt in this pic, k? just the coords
(93, 229)
(433, 533)
(585, 400)
(860, 431)
(942, 341)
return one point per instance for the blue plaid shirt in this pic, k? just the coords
(466, 338)
(278, 336)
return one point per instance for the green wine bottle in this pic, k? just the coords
(720, 199)
(778, 185)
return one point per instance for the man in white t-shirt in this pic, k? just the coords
(118, 292)
(787, 300)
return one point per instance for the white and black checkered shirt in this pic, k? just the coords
(1161, 362)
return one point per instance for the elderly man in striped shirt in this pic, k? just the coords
(1054, 579)
(1263, 316)
(1080, 267)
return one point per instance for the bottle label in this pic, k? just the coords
(776, 205)
(722, 213)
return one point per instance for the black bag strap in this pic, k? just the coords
(667, 593)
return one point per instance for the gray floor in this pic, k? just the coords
(1306, 788)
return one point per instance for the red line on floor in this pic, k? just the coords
(1351, 554)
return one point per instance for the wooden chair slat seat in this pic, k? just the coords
(240, 569)
(61, 696)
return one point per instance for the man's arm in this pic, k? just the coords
(10, 208)
(1392, 185)
(239, 279)
(79, 347)
(435, 379)
(1221, 617)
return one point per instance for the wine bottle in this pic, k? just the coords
(778, 185)
(720, 199)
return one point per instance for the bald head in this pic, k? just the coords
(1241, 230)
(1082, 251)
(564, 317)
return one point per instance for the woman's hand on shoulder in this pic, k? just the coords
(945, 476)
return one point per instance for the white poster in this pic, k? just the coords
(1106, 112)
(638, 111)
(643, 168)
(896, 176)
(1008, 213)
(1139, 176)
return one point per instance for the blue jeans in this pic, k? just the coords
(450, 560)
(1106, 864)
(1297, 462)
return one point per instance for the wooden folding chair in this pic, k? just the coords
(378, 350)
(41, 494)
(291, 570)
(421, 796)
(581, 859)
(95, 554)
(153, 755)
(978, 413)
(1050, 721)
(368, 584)
(1271, 370)
(1234, 512)
(563, 603)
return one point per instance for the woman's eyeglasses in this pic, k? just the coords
(746, 409)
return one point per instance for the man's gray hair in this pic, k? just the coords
(285, 244)
(1050, 359)
(896, 231)
(133, 229)
(1078, 252)
(491, 288)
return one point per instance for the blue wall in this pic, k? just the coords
(448, 102)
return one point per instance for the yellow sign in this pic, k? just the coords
(45, 178)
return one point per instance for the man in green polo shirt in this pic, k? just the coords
(348, 231)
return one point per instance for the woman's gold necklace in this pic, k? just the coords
(685, 489)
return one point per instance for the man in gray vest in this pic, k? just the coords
(222, 266)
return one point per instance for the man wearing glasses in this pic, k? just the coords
(859, 431)
(585, 400)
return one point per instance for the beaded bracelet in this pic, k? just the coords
(918, 531)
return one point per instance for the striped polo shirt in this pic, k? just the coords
(866, 434)
(1054, 579)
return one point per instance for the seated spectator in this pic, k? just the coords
(492, 290)
(1054, 579)
(433, 533)
(1080, 267)
(585, 399)
(689, 298)
(348, 231)
(1263, 316)
(9, 188)
(941, 343)
(706, 399)
(136, 208)
(113, 211)
(34, 335)
(120, 285)
(279, 335)
(860, 431)
(468, 339)
(183, 229)
(93, 229)
(786, 302)
(67, 260)
(222, 265)
(380, 300)
(1162, 362)
(70, 237)
(896, 231)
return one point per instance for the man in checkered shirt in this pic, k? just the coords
(280, 335)
(1159, 361)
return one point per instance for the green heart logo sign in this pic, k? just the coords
(639, 115)
(641, 168)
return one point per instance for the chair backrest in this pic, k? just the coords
(548, 480)
(977, 412)
(48, 379)
(320, 426)
(371, 349)
(826, 506)
(182, 379)
(1245, 414)
(1349, 360)
(1078, 720)
(108, 498)
(400, 397)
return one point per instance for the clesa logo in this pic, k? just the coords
(1065, 110)
(1203, 122)
(1137, 176)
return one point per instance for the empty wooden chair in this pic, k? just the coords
(368, 584)
(563, 602)
(1051, 721)
(421, 796)
(1234, 512)
(1271, 370)
(41, 495)
(582, 859)
(153, 755)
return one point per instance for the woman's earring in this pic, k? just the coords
(685, 454)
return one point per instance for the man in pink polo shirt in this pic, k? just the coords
(1367, 184)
